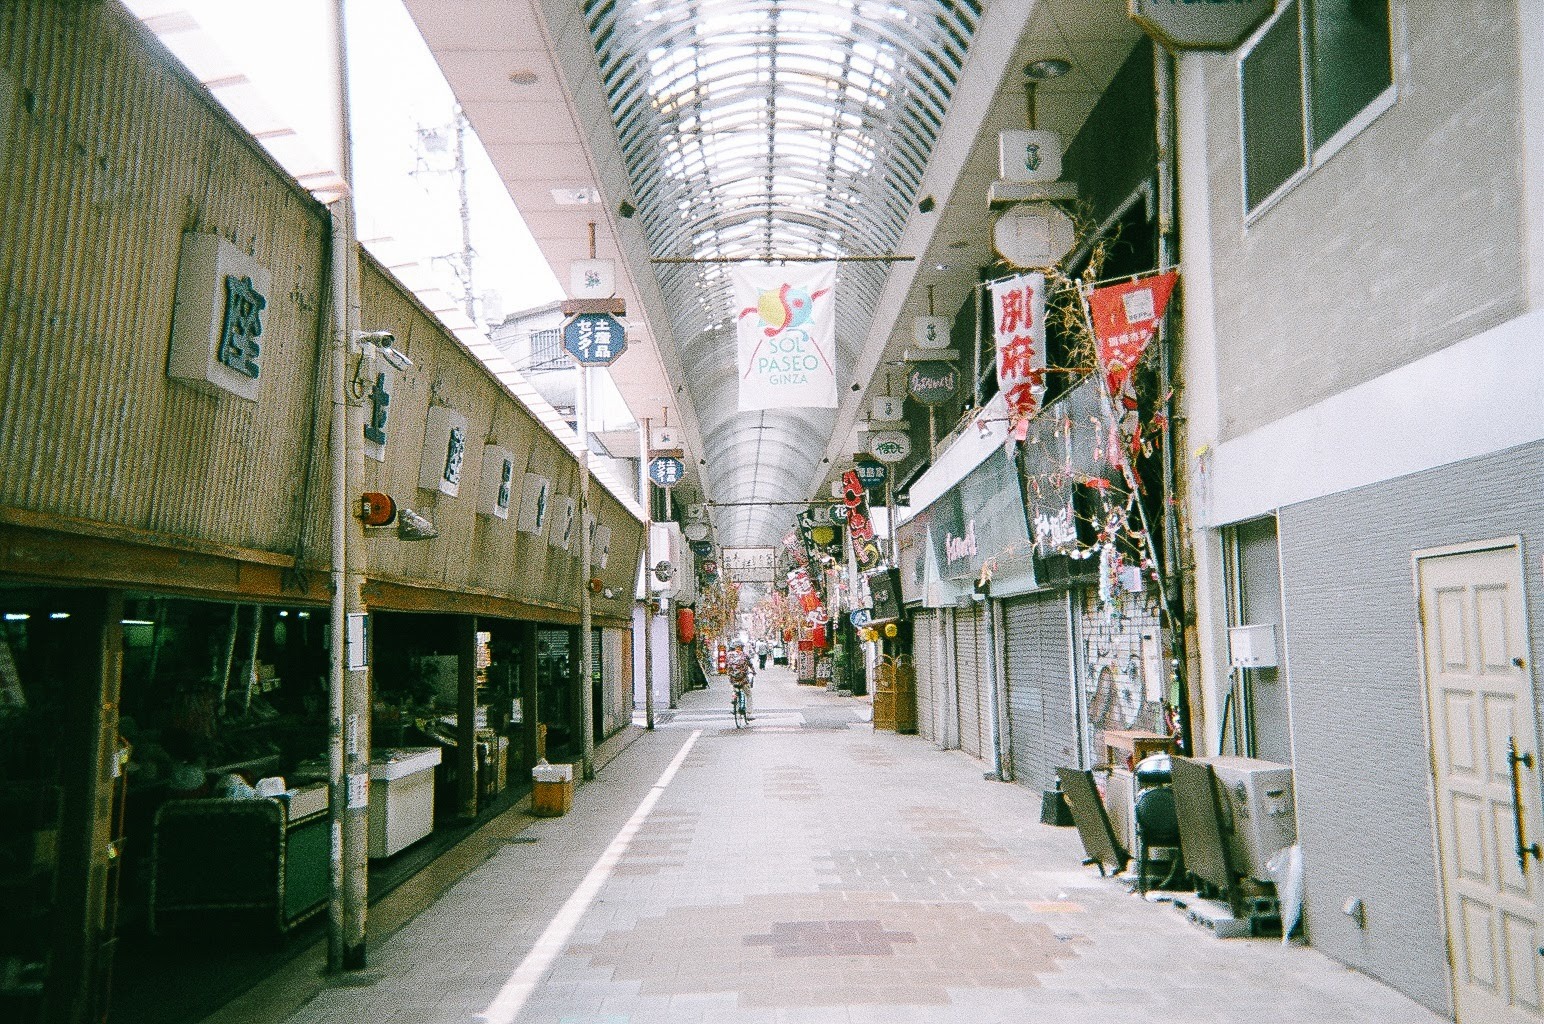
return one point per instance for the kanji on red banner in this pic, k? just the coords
(1125, 318)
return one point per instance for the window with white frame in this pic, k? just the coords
(1314, 75)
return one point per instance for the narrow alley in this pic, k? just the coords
(807, 869)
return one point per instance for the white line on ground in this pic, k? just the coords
(517, 990)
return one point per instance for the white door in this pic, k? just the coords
(1484, 750)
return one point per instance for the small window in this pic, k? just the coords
(1314, 69)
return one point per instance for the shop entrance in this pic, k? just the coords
(1485, 764)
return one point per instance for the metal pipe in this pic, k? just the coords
(782, 259)
(586, 649)
(648, 583)
(1163, 88)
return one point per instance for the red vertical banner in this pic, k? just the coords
(1125, 317)
(1018, 326)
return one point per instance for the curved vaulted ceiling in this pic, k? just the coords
(731, 129)
(767, 129)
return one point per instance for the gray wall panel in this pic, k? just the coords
(1363, 767)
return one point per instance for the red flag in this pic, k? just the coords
(1125, 318)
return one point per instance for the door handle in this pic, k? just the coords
(1524, 848)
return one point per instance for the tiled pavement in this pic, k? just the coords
(804, 871)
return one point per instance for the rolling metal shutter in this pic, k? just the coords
(924, 633)
(969, 668)
(1042, 724)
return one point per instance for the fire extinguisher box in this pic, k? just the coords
(552, 790)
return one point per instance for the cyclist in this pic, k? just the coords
(742, 674)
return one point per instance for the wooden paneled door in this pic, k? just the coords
(1485, 764)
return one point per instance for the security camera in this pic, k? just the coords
(385, 344)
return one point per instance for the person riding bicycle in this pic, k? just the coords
(742, 674)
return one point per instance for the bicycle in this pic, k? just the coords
(738, 706)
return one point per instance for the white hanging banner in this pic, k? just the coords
(1018, 322)
(787, 335)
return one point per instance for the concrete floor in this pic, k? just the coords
(805, 870)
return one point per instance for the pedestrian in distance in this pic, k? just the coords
(762, 650)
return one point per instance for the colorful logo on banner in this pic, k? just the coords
(786, 329)
(1125, 318)
(1018, 324)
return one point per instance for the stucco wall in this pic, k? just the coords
(1363, 772)
(1406, 240)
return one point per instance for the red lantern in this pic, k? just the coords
(686, 625)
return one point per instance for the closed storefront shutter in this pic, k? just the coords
(924, 633)
(969, 666)
(1042, 723)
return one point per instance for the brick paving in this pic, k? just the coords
(807, 870)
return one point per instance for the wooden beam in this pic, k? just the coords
(615, 305)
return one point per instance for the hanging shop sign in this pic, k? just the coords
(786, 330)
(702, 548)
(217, 319)
(592, 279)
(1125, 318)
(666, 471)
(439, 469)
(1033, 235)
(1200, 24)
(498, 480)
(1027, 157)
(1018, 326)
(932, 382)
(535, 502)
(930, 332)
(839, 514)
(888, 408)
(885, 593)
(750, 565)
(666, 441)
(889, 446)
(710, 567)
(860, 617)
(594, 339)
(872, 474)
(695, 531)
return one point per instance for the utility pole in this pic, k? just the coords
(348, 759)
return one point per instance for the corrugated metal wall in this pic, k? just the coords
(1043, 728)
(113, 154)
(969, 670)
(924, 634)
(111, 158)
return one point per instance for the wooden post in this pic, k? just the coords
(466, 715)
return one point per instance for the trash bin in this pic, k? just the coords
(552, 789)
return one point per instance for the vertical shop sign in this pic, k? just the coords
(1018, 325)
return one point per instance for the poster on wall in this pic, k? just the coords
(786, 330)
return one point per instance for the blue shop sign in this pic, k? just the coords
(594, 339)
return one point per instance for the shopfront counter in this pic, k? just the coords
(401, 797)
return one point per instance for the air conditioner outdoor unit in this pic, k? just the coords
(1257, 808)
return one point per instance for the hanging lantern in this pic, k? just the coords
(890, 630)
(686, 625)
